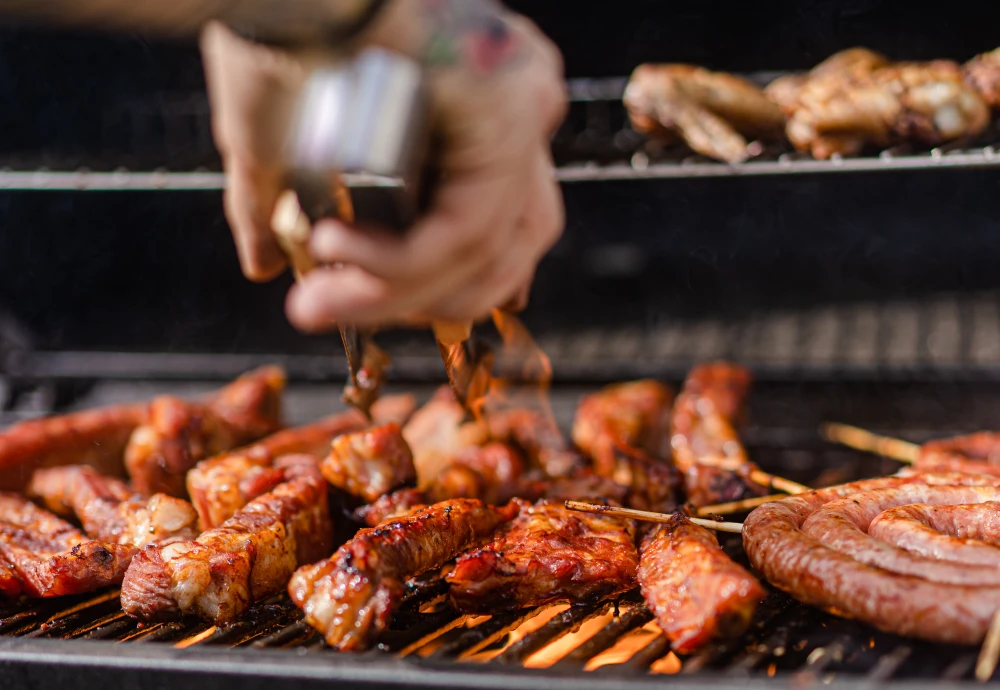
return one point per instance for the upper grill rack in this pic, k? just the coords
(595, 143)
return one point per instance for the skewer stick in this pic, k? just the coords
(990, 652)
(647, 516)
(861, 439)
(739, 506)
(779, 483)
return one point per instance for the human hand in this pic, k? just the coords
(497, 95)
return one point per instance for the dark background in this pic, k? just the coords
(157, 271)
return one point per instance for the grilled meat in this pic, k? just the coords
(926, 530)
(220, 486)
(250, 557)
(492, 473)
(546, 554)
(977, 453)
(52, 558)
(778, 545)
(395, 505)
(436, 434)
(707, 449)
(712, 112)
(350, 597)
(93, 437)
(370, 463)
(179, 433)
(858, 101)
(983, 74)
(697, 593)
(109, 511)
(537, 436)
(635, 414)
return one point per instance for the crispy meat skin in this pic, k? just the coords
(711, 111)
(983, 74)
(902, 604)
(546, 554)
(94, 437)
(492, 473)
(250, 557)
(109, 511)
(536, 434)
(635, 414)
(697, 593)
(53, 558)
(435, 434)
(220, 486)
(350, 597)
(706, 447)
(180, 433)
(370, 462)
(395, 505)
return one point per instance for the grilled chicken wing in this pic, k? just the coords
(248, 558)
(857, 99)
(350, 597)
(180, 433)
(983, 74)
(712, 111)
(546, 554)
(109, 510)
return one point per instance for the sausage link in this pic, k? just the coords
(946, 533)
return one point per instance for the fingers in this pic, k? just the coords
(249, 202)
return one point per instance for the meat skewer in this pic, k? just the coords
(350, 597)
(178, 433)
(648, 516)
(249, 557)
(49, 557)
(697, 593)
(109, 510)
(546, 554)
(738, 506)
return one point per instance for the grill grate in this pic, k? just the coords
(614, 641)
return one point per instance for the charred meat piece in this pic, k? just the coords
(703, 434)
(395, 505)
(93, 437)
(635, 414)
(250, 557)
(370, 463)
(546, 554)
(180, 433)
(536, 434)
(220, 486)
(650, 483)
(436, 434)
(109, 511)
(350, 597)
(697, 593)
(51, 557)
(712, 112)
(491, 473)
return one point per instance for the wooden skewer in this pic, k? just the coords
(739, 506)
(779, 483)
(647, 516)
(861, 439)
(990, 652)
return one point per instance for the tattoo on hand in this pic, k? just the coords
(471, 33)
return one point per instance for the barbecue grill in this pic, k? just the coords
(860, 290)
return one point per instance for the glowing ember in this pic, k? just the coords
(526, 628)
(627, 647)
(432, 642)
(550, 654)
(195, 639)
(668, 665)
